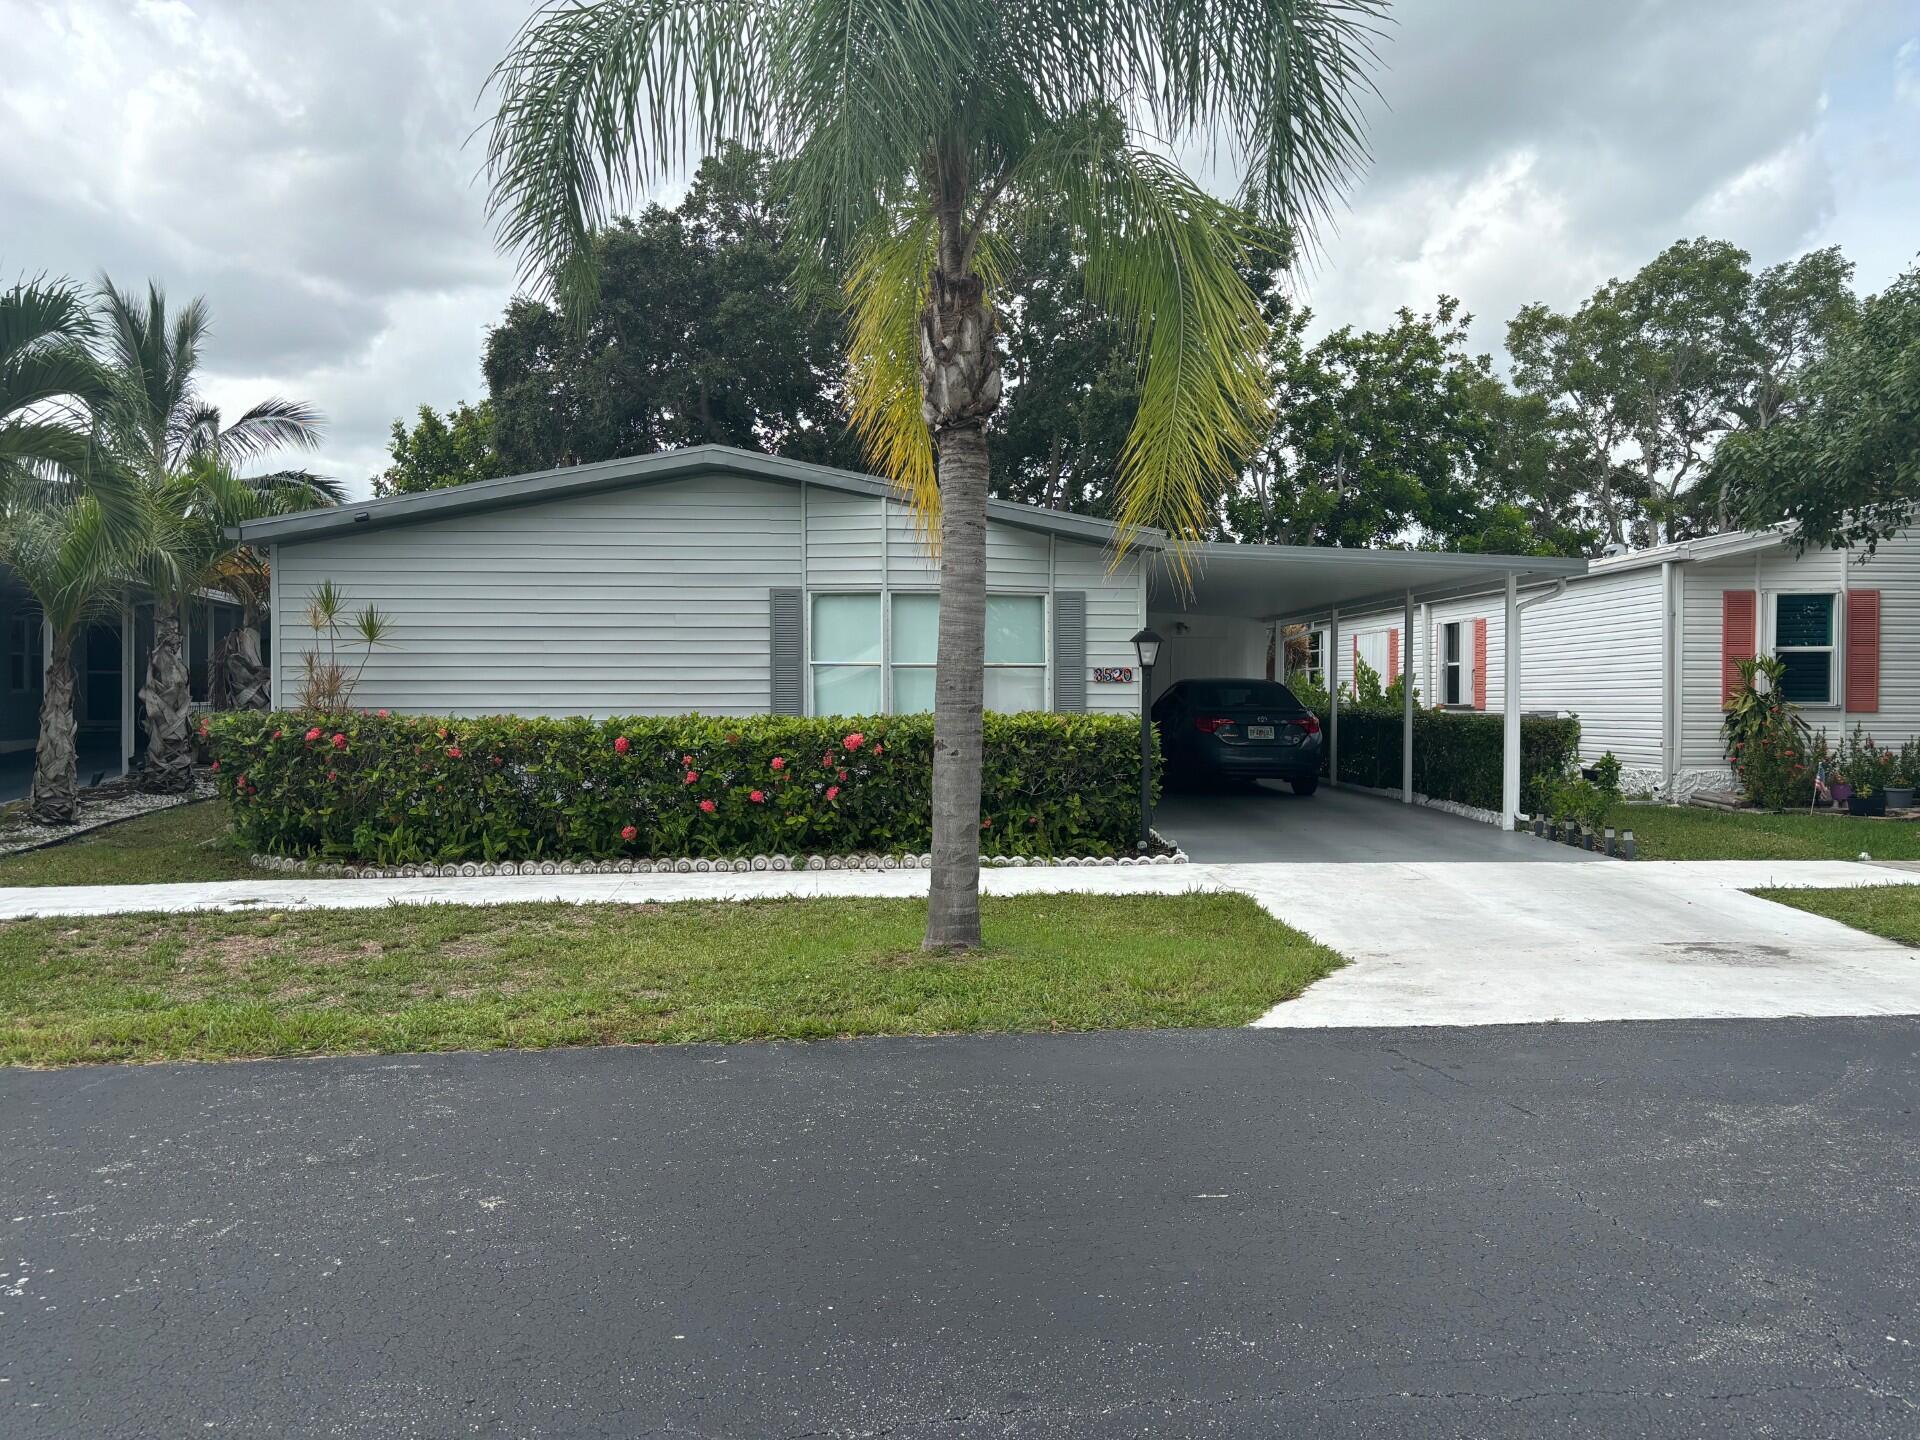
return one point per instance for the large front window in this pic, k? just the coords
(1803, 641)
(850, 653)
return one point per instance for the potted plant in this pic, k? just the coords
(1906, 768)
(1864, 768)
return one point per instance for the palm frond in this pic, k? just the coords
(270, 425)
(887, 288)
(596, 101)
(1166, 261)
(287, 491)
(66, 555)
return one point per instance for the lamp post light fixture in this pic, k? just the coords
(1146, 649)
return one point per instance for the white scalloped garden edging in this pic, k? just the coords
(685, 865)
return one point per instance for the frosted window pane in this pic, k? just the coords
(1015, 689)
(846, 627)
(1015, 634)
(846, 689)
(912, 691)
(916, 629)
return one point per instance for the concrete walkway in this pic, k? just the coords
(1432, 943)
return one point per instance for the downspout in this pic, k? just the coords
(1669, 679)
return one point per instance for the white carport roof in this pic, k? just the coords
(1307, 582)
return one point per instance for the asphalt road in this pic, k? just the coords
(1606, 1230)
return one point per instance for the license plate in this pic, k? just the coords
(1259, 732)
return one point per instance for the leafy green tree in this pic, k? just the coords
(698, 332)
(915, 144)
(440, 451)
(164, 433)
(68, 520)
(1844, 466)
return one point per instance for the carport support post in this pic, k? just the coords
(1510, 738)
(1332, 669)
(1406, 706)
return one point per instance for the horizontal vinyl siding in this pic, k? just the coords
(644, 601)
(1895, 572)
(1116, 611)
(1016, 558)
(844, 545)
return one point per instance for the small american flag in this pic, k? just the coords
(1821, 794)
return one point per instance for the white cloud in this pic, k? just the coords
(306, 167)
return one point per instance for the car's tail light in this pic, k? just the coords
(1310, 724)
(1212, 724)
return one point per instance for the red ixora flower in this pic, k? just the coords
(854, 741)
(453, 752)
(215, 765)
(276, 734)
(879, 749)
(314, 734)
(758, 797)
(621, 745)
(687, 760)
(333, 774)
(629, 833)
(833, 792)
(339, 742)
(383, 713)
(690, 777)
(842, 774)
(779, 762)
(708, 806)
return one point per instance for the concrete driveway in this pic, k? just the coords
(1266, 823)
(1694, 1230)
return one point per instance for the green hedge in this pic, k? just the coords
(1455, 756)
(405, 789)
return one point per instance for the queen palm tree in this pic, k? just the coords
(69, 519)
(166, 433)
(915, 140)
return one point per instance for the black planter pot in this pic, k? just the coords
(1874, 804)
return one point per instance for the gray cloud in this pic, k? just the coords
(306, 167)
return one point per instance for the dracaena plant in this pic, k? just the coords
(914, 141)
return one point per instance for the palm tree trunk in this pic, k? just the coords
(168, 700)
(240, 680)
(960, 386)
(55, 797)
(953, 903)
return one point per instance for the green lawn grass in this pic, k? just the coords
(187, 842)
(412, 978)
(1667, 832)
(1889, 910)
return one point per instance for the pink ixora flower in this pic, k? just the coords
(339, 742)
(333, 774)
(629, 833)
(833, 792)
(453, 752)
(758, 797)
(383, 713)
(708, 806)
(622, 745)
(276, 734)
(690, 777)
(215, 765)
(854, 741)
(687, 760)
(314, 734)
(779, 762)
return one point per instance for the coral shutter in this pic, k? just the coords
(1480, 664)
(1737, 611)
(1863, 651)
(1393, 656)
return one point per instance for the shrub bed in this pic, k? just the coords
(1455, 757)
(404, 789)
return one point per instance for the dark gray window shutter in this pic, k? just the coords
(1070, 650)
(787, 652)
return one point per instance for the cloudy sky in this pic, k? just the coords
(306, 167)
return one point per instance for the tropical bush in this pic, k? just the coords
(1869, 768)
(395, 789)
(1456, 756)
(1774, 761)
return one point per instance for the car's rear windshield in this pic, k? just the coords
(1242, 695)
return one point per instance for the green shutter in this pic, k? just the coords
(1070, 650)
(787, 651)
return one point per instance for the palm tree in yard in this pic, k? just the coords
(915, 140)
(165, 432)
(69, 520)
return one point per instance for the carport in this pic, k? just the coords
(1225, 615)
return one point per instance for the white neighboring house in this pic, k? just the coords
(1642, 647)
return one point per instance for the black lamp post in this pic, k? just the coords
(1146, 649)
